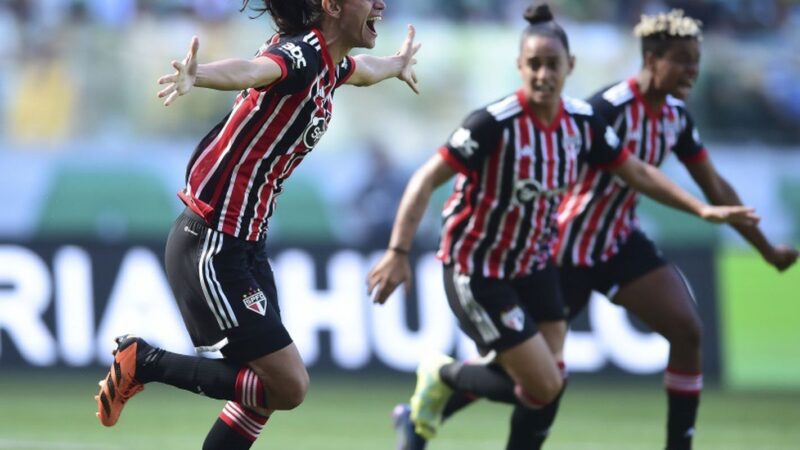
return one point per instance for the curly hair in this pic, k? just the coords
(658, 31)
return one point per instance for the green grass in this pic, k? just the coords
(56, 412)
(759, 313)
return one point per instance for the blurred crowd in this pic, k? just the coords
(736, 15)
(49, 48)
(78, 76)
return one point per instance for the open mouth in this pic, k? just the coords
(371, 24)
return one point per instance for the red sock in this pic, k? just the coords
(245, 422)
(250, 389)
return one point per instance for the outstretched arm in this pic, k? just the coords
(225, 75)
(719, 192)
(393, 269)
(374, 69)
(650, 181)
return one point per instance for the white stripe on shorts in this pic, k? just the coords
(201, 270)
(211, 286)
(219, 292)
(477, 315)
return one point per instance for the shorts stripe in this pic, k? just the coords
(686, 283)
(219, 291)
(208, 279)
(477, 315)
(201, 270)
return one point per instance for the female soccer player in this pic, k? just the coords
(514, 159)
(601, 246)
(216, 259)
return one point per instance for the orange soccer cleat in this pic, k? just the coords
(120, 384)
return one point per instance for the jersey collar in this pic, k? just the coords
(547, 128)
(326, 56)
(653, 115)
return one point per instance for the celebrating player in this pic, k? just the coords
(216, 259)
(514, 159)
(602, 247)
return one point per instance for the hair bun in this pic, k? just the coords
(538, 14)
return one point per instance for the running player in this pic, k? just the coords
(514, 159)
(216, 259)
(602, 247)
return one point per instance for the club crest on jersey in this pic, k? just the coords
(572, 144)
(463, 142)
(513, 319)
(255, 301)
(671, 131)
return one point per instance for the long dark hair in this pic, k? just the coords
(541, 22)
(290, 16)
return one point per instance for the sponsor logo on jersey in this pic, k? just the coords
(525, 191)
(513, 319)
(319, 123)
(255, 301)
(314, 131)
(463, 142)
(294, 52)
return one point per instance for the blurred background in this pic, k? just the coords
(90, 162)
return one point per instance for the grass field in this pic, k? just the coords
(52, 411)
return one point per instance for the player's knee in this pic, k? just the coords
(294, 392)
(550, 389)
(542, 393)
(687, 335)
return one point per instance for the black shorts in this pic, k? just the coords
(225, 290)
(498, 314)
(637, 257)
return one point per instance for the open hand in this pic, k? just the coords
(392, 270)
(180, 82)
(407, 52)
(741, 215)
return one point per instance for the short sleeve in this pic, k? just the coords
(602, 107)
(472, 142)
(345, 70)
(299, 63)
(606, 151)
(689, 147)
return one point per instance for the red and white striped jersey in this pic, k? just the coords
(512, 169)
(237, 171)
(599, 212)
